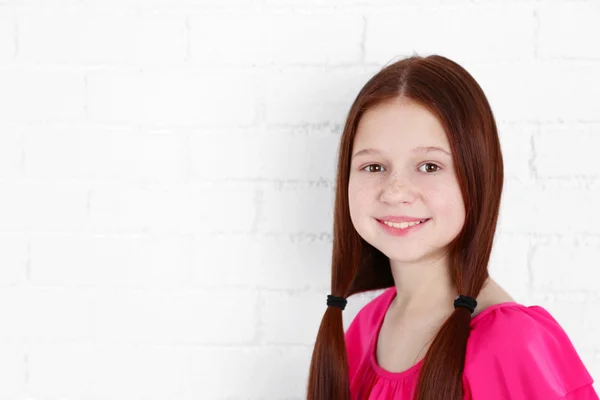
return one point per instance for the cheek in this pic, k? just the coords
(360, 201)
(445, 199)
(356, 197)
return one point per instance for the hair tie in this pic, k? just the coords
(460, 301)
(466, 302)
(336, 301)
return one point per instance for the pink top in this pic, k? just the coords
(514, 352)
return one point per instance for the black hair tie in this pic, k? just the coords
(460, 301)
(336, 301)
(466, 302)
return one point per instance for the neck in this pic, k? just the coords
(423, 287)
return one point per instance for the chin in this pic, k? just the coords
(404, 256)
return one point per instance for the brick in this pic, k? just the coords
(30, 95)
(13, 258)
(13, 370)
(566, 151)
(566, 266)
(271, 261)
(45, 314)
(320, 95)
(103, 37)
(113, 261)
(297, 209)
(175, 317)
(509, 264)
(71, 380)
(11, 153)
(173, 98)
(273, 155)
(97, 153)
(517, 149)
(7, 35)
(169, 5)
(451, 30)
(539, 213)
(253, 369)
(537, 100)
(565, 30)
(281, 327)
(276, 38)
(44, 206)
(173, 208)
(96, 370)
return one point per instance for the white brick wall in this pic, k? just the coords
(167, 170)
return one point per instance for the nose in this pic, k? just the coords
(397, 189)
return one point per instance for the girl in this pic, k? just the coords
(419, 181)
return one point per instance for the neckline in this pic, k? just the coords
(413, 369)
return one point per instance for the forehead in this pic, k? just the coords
(400, 124)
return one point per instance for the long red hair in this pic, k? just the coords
(448, 91)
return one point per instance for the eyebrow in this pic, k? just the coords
(420, 149)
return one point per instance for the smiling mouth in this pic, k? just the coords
(403, 224)
(401, 227)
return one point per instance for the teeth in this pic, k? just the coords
(402, 225)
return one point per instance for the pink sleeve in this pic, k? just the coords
(586, 392)
(522, 353)
(360, 331)
(354, 345)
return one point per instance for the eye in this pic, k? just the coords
(429, 171)
(370, 165)
(437, 166)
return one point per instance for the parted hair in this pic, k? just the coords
(448, 91)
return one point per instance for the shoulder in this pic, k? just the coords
(518, 352)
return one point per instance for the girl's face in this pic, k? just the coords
(399, 177)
